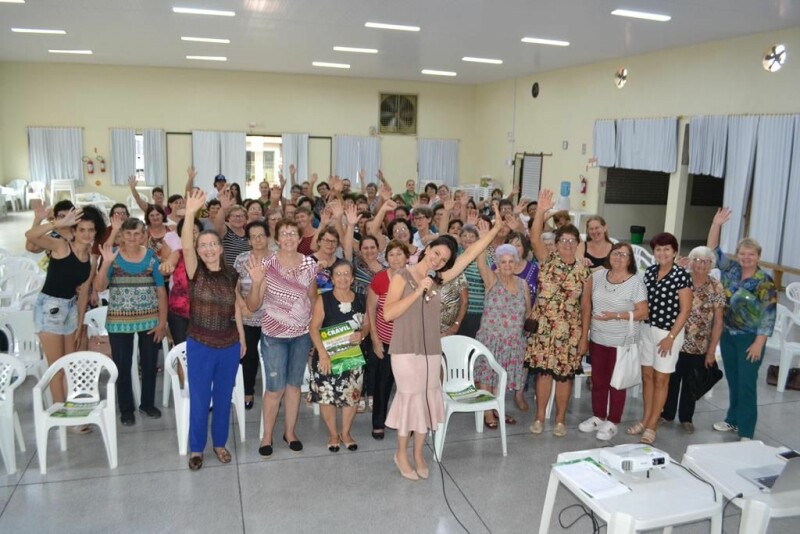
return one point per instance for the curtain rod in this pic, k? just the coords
(532, 154)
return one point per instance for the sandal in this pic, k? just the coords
(510, 420)
(80, 429)
(638, 428)
(222, 455)
(648, 437)
(491, 425)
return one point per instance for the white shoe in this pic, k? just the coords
(607, 431)
(591, 424)
(723, 426)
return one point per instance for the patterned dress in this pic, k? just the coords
(501, 331)
(554, 348)
(344, 389)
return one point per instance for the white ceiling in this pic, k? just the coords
(287, 35)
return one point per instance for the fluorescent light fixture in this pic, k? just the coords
(34, 30)
(551, 42)
(483, 60)
(194, 11)
(438, 72)
(208, 58)
(80, 52)
(206, 40)
(356, 50)
(330, 65)
(12, 1)
(383, 26)
(641, 15)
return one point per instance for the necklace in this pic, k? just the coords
(610, 286)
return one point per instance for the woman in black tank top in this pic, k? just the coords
(59, 309)
(595, 249)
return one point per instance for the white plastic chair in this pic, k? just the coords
(12, 374)
(23, 343)
(176, 357)
(34, 191)
(458, 360)
(22, 263)
(793, 294)
(789, 347)
(60, 186)
(18, 186)
(19, 289)
(643, 258)
(83, 370)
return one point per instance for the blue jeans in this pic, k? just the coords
(212, 374)
(285, 360)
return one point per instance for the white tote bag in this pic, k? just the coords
(627, 370)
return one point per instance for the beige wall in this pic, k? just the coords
(179, 100)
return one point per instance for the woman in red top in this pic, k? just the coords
(381, 333)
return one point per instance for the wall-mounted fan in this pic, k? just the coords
(774, 58)
(621, 77)
(398, 114)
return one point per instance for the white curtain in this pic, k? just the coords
(790, 251)
(205, 158)
(56, 154)
(741, 154)
(155, 156)
(648, 144)
(294, 152)
(437, 159)
(123, 155)
(355, 153)
(233, 157)
(604, 141)
(771, 183)
(708, 139)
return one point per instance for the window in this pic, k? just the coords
(263, 162)
(628, 186)
(706, 190)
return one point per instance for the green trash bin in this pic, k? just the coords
(637, 235)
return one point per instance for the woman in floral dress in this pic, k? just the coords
(507, 304)
(341, 305)
(556, 349)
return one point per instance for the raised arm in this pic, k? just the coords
(545, 203)
(40, 213)
(396, 304)
(109, 255)
(195, 200)
(472, 252)
(722, 216)
(40, 236)
(347, 240)
(191, 173)
(225, 202)
(136, 196)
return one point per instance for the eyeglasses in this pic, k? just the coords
(237, 216)
(203, 246)
(568, 241)
(702, 261)
(288, 234)
(329, 241)
(342, 273)
(258, 236)
(620, 254)
(400, 230)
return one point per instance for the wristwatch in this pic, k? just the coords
(457, 323)
(671, 336)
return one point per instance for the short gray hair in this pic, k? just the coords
(506, 250)
(703, 253)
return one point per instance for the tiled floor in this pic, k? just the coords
(152, 490)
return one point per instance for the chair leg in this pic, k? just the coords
(783, 373)
(550, 403)
(62, 438)
(238, 402)
(18, 432)
(136, 384)
(501, 411)
(479, 422)
(41, 443)
(183, 431)
(7, 449)
(167, 388)
(438, 438)
(109, 430)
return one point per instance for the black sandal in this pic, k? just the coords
(378, 434)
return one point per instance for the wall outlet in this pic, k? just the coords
(564, 145)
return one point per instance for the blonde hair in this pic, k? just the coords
(750, 243)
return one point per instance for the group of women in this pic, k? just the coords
(263, 282)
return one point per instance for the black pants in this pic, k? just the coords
(252, 338)
(122, 354)
(678, 397)
(370, 370)
(470, 325)
(178, 327)
(384, 381)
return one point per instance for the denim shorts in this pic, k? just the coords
(285, 360)
(54, 315)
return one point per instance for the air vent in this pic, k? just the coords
(398, 114)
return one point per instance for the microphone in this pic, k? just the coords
(432, 275)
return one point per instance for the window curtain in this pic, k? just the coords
(355, 153)
(233, 157)
(56, 154)
(205, 158)
(155, 156)
(739, 161)
(295, 152)
(647, 144)
(604, 141)
(437, 159)
(790, 251)
(708, 139)
(123, 155)
(771, 183)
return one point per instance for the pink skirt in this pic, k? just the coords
(410, 411)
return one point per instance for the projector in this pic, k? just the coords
(634, 458)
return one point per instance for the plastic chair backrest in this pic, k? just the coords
(643, 258)
(459, 356)
(83, 370)
(35, 190)
(176, 357)
(793, 294)
(95, 320)
(18, 327)
(12, 374)
(21, 263)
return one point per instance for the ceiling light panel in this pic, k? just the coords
(641, 15)
(208, 58)
(432, 72)
(206, 40)
(12, 1)
(79, 52)
(482, 60)
(328, 65)
(538, 40)
(355, 50)
(40, 31)
(399, 27)
(196, 11)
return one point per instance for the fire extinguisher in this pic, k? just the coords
(584, 185)
(102, 163)
(89, 165)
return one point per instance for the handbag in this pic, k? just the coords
(702, 379)
(792, 378)
(627, 369)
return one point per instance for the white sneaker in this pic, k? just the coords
(607, 431)
(723, 426)
(591, 424)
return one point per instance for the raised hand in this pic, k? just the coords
(381, 178)
(352, 215)
(225, 198)
(449, 204)
(361, 176)
(116, 221)
(337, 209)
(255, 269)
(545, 200)
(386, 192)
(483, 227)
(108, 253)
(292, 170)
(72, 218)
(191, 172)
(314, 178)
(472, 216)
(39, 210)
(132, 180)
(520, 207)
(515, 190)
(390, 205)
(337, 185)
(722, 216)
(195, 200)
